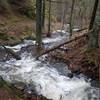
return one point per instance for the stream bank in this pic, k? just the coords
(49, 77)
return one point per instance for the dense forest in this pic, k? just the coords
(49, 49)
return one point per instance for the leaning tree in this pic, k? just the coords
(93, 35)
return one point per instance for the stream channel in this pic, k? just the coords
(47, 79)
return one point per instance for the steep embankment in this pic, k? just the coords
(16, 20)
(80, 60)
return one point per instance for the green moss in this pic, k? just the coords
(11, 89)
(4, 36)
(30, 13)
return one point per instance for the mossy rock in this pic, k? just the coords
(4, 36)
(11, 89)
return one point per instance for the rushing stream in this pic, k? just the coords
(46, 78)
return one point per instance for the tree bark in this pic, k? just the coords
(71, 18)
(63, 16)
(49, 24)
(43, 13)
(93, 14)
(38, 23)
(93, 36)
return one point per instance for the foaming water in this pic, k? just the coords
(48, 42)
(46, 80)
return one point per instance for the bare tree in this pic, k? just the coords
(94, 14)
(93, 36)
(43, 13)
(71, 18)
(49, 24)
(38, 23)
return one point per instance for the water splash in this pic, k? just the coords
(45, 78)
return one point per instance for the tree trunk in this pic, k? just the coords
(93, 36)
(71, 18)
(49, 24)
(93, 14)
(43, 14)
(38, 23)
(63, 16)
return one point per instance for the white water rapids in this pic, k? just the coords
(46, 79)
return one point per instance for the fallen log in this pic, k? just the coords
(67, 42)
(14, 54)
(81, 29)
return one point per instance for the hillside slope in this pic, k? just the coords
(16, 20)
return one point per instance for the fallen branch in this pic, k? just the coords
(81, 29)
(56, 47)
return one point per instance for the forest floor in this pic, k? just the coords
(9, 95)
(11, 92)
(15, 29)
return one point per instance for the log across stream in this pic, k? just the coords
(47, 78)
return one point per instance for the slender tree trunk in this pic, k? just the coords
(93, 14)
(71, 18)
(49, 23)
(63, 17)
(38, 23)
(93, 36)
(43, 14)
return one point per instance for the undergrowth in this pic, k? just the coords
(10, 89)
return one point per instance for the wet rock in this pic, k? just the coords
(3, 54)
(70, 75)
(19, 85)
(1, 81)
(77, 72)
(7, 54)
(34, 97)
(30, 89)
(30, 49)
(95, 83)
